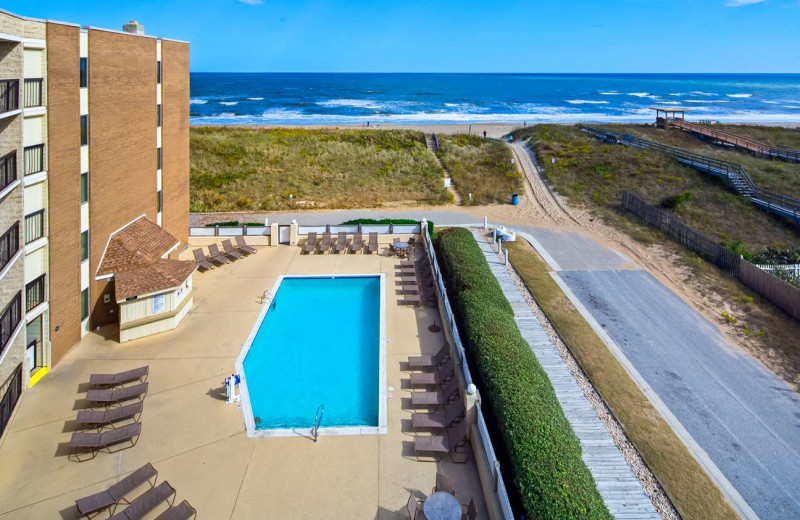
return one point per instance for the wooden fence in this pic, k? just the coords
(783, 295)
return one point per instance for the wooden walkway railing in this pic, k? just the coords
(751, 145)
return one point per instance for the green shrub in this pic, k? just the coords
(538, 448)
(675, 201)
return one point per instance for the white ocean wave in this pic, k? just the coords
(739, 95)
(701, 93)
(641, 94)
(610, 93)
(705, 101)
(794, 107)
(354, 103)
(677, 94)
(670, 102)
(585, 102)
(228, 103)
(198, 101)
(256, 98)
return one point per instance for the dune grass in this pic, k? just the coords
(692, 492)
(241, 169)
(480, 166)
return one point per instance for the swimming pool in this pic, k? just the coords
(319, 341)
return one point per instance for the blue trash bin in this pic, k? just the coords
(515, 200)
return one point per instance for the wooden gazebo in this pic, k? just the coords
(666, 114)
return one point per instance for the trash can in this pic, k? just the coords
(515, 200)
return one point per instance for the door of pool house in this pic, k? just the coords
(283, 234)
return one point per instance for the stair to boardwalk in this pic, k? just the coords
(433, 146)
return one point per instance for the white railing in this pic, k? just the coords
(228, 231)
(793, 270)
(499, 486)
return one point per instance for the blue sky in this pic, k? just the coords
(459, 36)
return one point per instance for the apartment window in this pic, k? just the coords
(10, 319)
(84, 72)
(84, 188)
(84, 130)
(9, 244)
(34, 226)
(158, 72)
(158, 115)
(160, 200)
(85, 245)
(8, 169)
(34, 335)
(84, 304)
(158, 158)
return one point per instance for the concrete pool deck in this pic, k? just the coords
(198, 443)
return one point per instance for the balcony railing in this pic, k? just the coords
(34, 293)
(9, 95)
(33, 159)
(9, 320)
(9, 244)
(8, 169)
(33, 92)
(34, 226)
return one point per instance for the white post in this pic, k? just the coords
(506, 252)
(500, 243)
(485, 223)
(266, 222)
(494, 235)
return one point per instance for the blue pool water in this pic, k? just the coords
(319, 343)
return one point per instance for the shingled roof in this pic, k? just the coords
(134, 257)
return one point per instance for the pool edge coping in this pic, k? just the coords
(246, 405)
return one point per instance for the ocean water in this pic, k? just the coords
(332, 98)
(317, 345)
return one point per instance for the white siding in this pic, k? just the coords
(35, 264)
(33, 66)
(84, 274)
(84, 159)
(84, 44)
(84, 217)
(84, 101)
(33, 130)
(34, 198)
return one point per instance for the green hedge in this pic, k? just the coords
(234, 223)
(398, 221)
(539, 448)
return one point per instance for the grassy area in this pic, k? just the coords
(480, 166)
(690, 489)
(594, 174)
(240, 169)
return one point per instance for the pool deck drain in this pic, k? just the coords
(619, 488)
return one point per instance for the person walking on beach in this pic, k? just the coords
(484, 134)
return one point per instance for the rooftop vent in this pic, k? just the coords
(133, 27)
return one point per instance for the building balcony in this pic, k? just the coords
(35, 293)
(33, 92)
(9, 95)
(33, 159)
(8, 169)
(34, 226)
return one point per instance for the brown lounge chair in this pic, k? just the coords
(440, 376)
(120, 378)
(410, 299)
(200, 259)
(357, 244)
(230, 251)
(216, 257)
(325, 243)
(430, 361)
(341, 243)
(372, 247)
(117, 492)
(443, 396)
(108, 417)
(472, 510)
(119, 394)
(242, 246)
(437, 420)
(444, 483)
(440, 445)
(147, 502)
(182, 511)
(311, 243)
(93, 443)
(414, 507)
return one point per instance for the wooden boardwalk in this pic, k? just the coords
(621, 492)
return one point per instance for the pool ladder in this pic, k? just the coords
(267, 296)
(318, 421)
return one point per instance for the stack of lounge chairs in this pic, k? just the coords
(442, 397)
(216, 258)
(110, 398)
(118, 494)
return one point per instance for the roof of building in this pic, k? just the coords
(671, 109)
(135, 255)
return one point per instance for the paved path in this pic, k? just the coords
(621, 492)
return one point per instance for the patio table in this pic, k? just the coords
(442, 506)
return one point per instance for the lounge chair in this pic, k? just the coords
(311, 243)
(441, 397)
(341, 243)
(242, 246)
(101, 418)
(357, 244)
(324, 244)
(437, 420)
(216, 257)
(407, 264)
(231, 251)
(147, 502)
(182, 511)
(372, 247)
(200, 259)
(444, 483)
(95, 442)
(120, 378)
(430, 361)
(410, 299)
(414, 506)
(117, 492)
(472, 510)
(440, 445)
(440, 376)
(109, 396)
